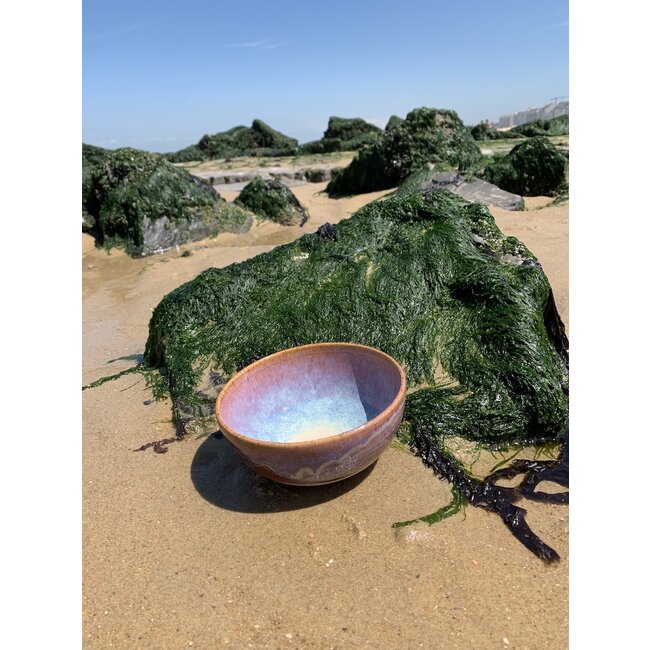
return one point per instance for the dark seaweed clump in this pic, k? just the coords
(143, 203)
(91, 156)
(533, 168)
(273, 200)
(343, 134)
(427, 135)
(555, 126)
(484, 132)
(427, 278)
(257, 140)
(393, 121)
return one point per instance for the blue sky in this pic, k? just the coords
(158, 75)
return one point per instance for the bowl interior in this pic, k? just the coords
(310, 393)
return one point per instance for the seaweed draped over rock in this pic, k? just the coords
(140, 201)
(273, 200)
(555, 126)
(427, 135)
(533, 168)
(427, 278)
(91, 156)
(343, 134)
(257, 140)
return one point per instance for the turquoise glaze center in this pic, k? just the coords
(290, 415)
(310, 396)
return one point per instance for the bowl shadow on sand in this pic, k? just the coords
(220, 477)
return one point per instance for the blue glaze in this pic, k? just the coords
(293, 412)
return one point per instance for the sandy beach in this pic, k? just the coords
(190, 549)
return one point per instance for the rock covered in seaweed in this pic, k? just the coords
(143, 203)
(91, 156)
(273, 200)
(555, 126)
(427, 135)
(343, 134)
(533, 168)
(393, 121)
(484, 132)
(257, 140)
(426, 277)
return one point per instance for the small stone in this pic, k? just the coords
(505, 640)
(289, 636)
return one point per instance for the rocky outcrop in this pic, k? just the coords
(343, 134)
(474, 190)
(238, 178)
(426, 277)
(427, 135)
(257, 140)
(533, 168)
(273, 200)
(144, 204)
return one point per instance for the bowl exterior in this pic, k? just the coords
(334, 459)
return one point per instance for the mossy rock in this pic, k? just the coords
(273, 200)
(533, 168)
(426, 277)
(393, 121)
(343, 134)
(257, 140)
(91, 156)
(484, 132)
(554, 126)
(427, 135)
(144, 204)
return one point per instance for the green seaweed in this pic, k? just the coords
(420, 277)
(483, 131)
(393, 121)
(555, 126)
(458, 503)
(257, 140)
(129, 190)
(343, 134)
(533, 168)
(272, 200)
(427, 135)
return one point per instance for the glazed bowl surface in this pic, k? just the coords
(313, 414)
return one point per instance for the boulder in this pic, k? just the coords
(426, 277)
(533, 168)
(555, 126)
(343, 134)
(484, 132)
(91, 156)
(257, 140)
(427, 135)
(474, 190)
(141, 202)
(270, 199)
(393, 121)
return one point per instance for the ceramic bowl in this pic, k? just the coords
(313, 414)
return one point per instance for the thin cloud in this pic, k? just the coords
(564, 23)
(116, 32)
(265, 44)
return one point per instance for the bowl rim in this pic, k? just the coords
(387, 413)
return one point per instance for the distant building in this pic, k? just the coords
(554, 109)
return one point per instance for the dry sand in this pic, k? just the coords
(191, 549)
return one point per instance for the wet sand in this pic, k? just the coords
(191, 549)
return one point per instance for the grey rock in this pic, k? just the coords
(161, 234)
